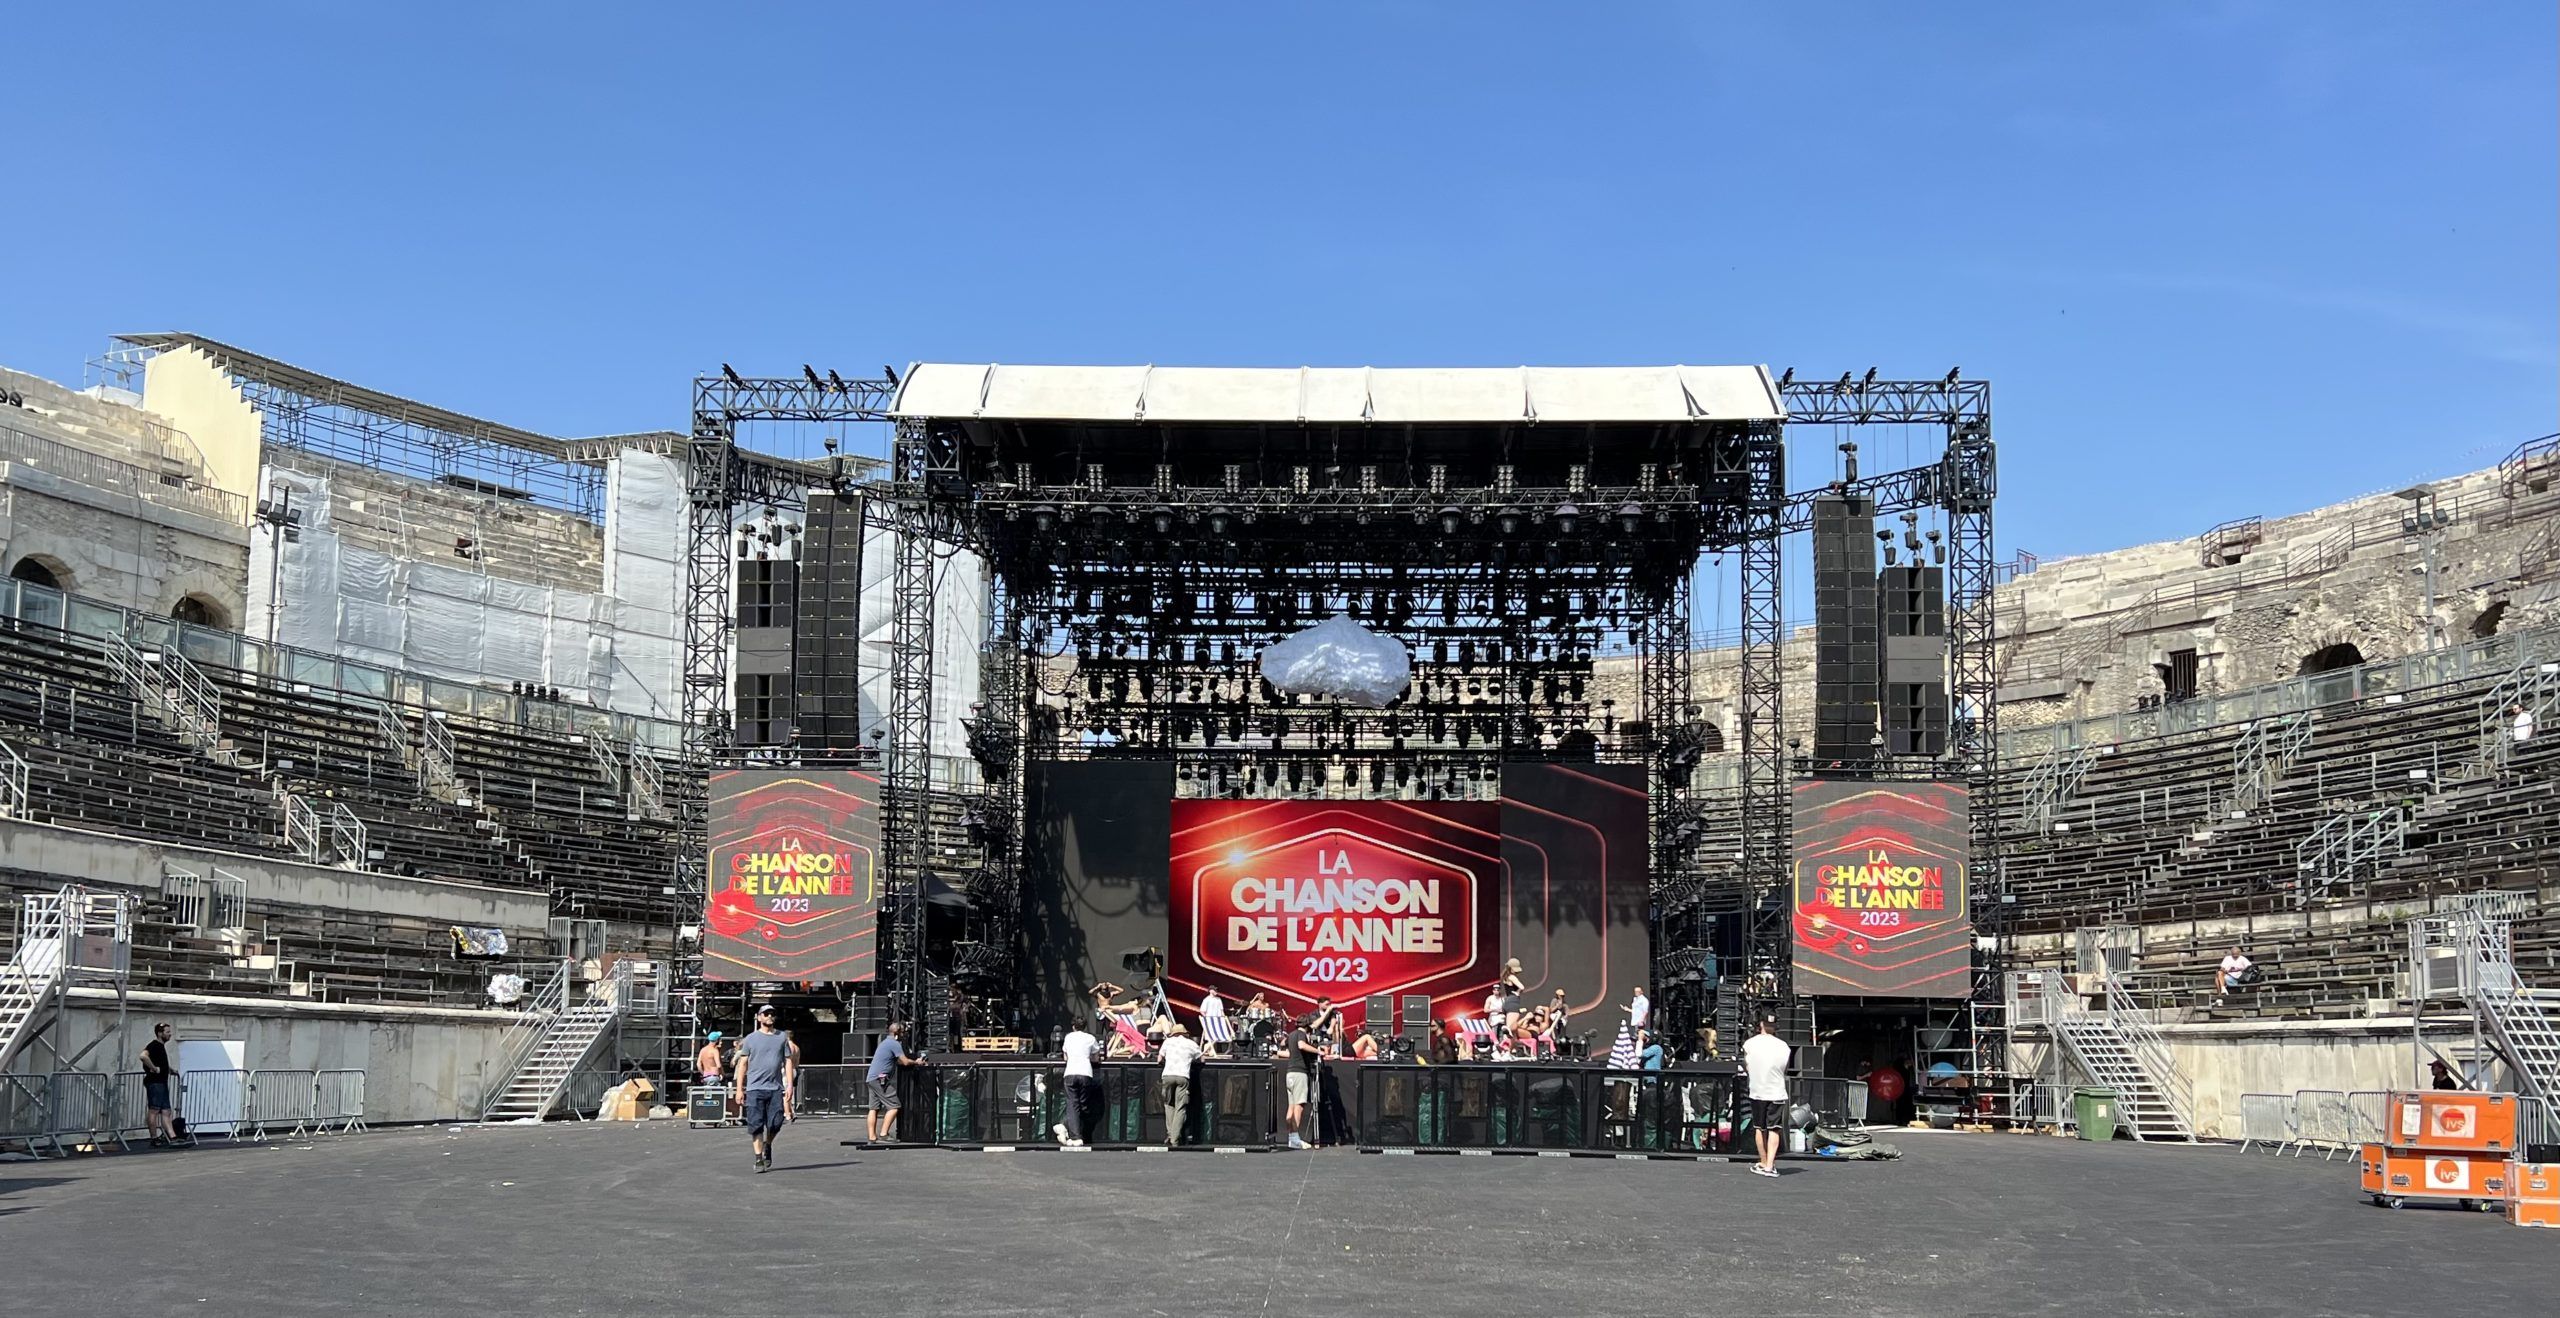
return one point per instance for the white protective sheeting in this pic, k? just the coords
(644, 535)
(960, 623)
(453, 621)
(1331, 395)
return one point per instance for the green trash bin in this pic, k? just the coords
(2094, 1111)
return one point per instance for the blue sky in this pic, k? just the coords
(2218, 259)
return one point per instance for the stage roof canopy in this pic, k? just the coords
(1342, 395)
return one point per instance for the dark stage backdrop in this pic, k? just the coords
(794, 876)
(1575, 862)
(1340, 899)
(1099, 838)
(1881, 889)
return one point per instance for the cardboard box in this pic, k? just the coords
(2449, 1119)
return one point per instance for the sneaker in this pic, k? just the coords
(1764, 1171)
(1296, 1143)
(1060, 1130)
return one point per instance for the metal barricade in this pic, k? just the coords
(22, 1111)
(128, 1105)
(2322, 1119)
(280, 1099)
(2366, 1109)
(77, 1112)
(2266, 1119)
(337, 1101)
(213, 1102)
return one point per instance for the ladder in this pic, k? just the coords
(557, 1040)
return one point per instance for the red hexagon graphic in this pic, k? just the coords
(1329, 901)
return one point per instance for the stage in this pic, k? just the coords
(656, 1218)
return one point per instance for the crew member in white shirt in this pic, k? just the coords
(1764, 1059)
(1083, 1093)
(1179, 1053)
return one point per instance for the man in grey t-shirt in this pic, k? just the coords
(767, 1064)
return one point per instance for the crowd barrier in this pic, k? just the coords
(72, 1110)
(2331, 1122)
(1490, 1106)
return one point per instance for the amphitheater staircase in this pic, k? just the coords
(556, 1037)
(32, 982)
(2115, 1046)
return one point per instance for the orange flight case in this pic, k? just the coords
(2536, 1193)
(2395, 1176)
(2449, 1119)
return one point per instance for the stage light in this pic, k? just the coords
(812, 373)
(1788, 378)
(732, 374)
(1218, 521)
(1509, 520)
(890, 374)
(1568, 518)
(1630, 518)
(1164, 521)
(1450, 520)
(1044, 518)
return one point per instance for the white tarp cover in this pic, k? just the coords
(1345, 394)
(456, 622)
(1338, 659)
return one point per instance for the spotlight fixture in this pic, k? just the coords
(1568, 518)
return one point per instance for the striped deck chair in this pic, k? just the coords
(1475, 1032)
(1127, 1029)
(1216, 1032)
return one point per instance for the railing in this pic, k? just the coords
(437, 762)
(337, 1103)
(647, 779)
(608, 765)
(79, 1108)
(14, 801)
(2267, 1119)
(388, 725)
(2264, 752)
(280, 1100)
(517, 1045)
(104, 473)
(2149, 1048)
(2534, 686)
(301, 827)
(2499, 655)
(166, 682)
(214, 1101)
(346, 833)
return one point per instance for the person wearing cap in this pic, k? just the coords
(708, 1062)
(1178, 1052)
(767, 1064)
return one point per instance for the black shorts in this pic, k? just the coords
(884, 1095)
(155, 1095)
(764, 1111)
(1768, 1114)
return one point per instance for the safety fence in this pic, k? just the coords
(2331, 1122)
(72, 1111)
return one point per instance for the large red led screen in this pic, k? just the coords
(1306, 899)
(794, 877)
(1880, 889)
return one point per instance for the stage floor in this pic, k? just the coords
(657, 1218)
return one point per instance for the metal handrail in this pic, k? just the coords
(2148, 1046)
(525, 1033)
(301, 826)
(102, 472)
(647, 779)
(14, 801)
(438, 760)
(599, 750)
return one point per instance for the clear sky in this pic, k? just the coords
(2218, 259)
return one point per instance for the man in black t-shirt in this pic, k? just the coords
(1296, 1063)
(159, 1086)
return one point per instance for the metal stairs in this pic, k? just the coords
(2052, 781)
(556, 1038)
(2265, 752)
(2346, 846)
(31, 983)
(2516, 1022)
(176, 692)
(2115, 1047)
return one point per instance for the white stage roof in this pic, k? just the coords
(1332, 395)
